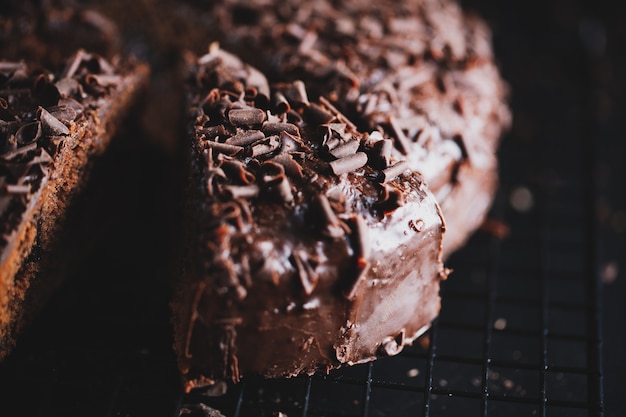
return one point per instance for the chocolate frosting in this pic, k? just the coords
(310, 247)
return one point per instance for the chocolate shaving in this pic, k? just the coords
(236, 170)
(246, 117)
(389, 200)
(291, 143)
(64, 114)
(214, 176)
(316, 115)
(51, 125)
(266, 146)
(17, 189)
(68, 87)
(28, 133)
(331, 225)
(104, 80)
(345, 149)
(242, 191)
(292, 168)
(278, 128)
(393, 171)
(360, 238)
(274, 179)
(381, 155)
(213, 132)
(348, 163)
(224, 148)
(245, 138)
(281, 105)
(402, 142)
(307, 275)
(337, 113)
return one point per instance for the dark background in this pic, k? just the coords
(102, 347)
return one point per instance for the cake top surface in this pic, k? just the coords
(39, 110)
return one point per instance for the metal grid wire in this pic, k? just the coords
(519, 332)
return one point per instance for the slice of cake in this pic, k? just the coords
(310, 244)
(51, 126)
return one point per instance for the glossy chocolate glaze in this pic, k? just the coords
(302, 255)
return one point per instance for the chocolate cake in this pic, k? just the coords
(51, 127)
(312, 244)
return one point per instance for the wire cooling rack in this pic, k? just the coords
(520, 330)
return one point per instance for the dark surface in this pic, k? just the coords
(524, 328)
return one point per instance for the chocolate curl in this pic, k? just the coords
(103, 80)
(297, 93)
(270, 128)
(3, 103)
(245, 138)
(349, 163)
(71, 103)
(75, 63)
(17, 189)
(68, 87)
(266, 146)
(64, 114)
(337, 113)
(292, 168)
(230, 213)
(291, 143)
(307, 275)
(246, 117)
(393, 171)
(214, 176)
(381, 153)
(241, 191)
(45, 92)
(402, 142)
(223, 148)
(29, 133)
(212, 132)
(331, 225)
(345, 149)
(236, 170)
(281, 105)
(317, 115)
(51, 125)
(274, 178)
(389, 200)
